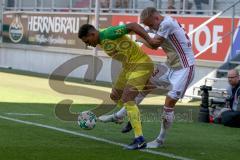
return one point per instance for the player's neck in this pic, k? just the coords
(161, 19)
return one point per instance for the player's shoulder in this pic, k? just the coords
(167, 19)
(113, 32)
(167, 22)
(105, 29)
(117, 29)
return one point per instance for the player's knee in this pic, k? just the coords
(129, 96)
(126, 99)
(115, 96)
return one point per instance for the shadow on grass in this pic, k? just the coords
(149, 113)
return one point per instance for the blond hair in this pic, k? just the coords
(147, 12)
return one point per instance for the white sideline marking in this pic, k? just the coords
(92, 137)
(25, 114)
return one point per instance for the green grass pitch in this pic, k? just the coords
(25, 93)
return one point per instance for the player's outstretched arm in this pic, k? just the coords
(141, 40)
(138, 29)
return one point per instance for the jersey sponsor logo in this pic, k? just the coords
(125, 45)
(109, 46)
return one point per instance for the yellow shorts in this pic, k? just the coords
(136, 75)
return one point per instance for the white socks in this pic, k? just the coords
(167, 120)
(121, 113)
(140, 97)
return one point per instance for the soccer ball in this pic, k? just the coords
(87, 120)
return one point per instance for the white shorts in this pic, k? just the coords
(175, 81)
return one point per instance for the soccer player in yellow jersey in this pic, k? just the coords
(137, 68)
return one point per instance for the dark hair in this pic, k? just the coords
(84, 30)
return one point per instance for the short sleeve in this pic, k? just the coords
(113, 32)
(164, 29)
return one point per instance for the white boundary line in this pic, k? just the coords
(92, 137)
(24, 114)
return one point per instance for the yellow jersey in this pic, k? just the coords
(119, 46)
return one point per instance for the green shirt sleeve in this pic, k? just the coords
(113, 32)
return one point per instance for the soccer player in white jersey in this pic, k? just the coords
(180, 62)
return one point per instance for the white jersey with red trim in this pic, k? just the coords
(177, 45)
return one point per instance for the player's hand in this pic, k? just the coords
(154, 43)
(141, 40)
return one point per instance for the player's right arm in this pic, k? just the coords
(153, 43)
(141, 40)
(138, 29)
